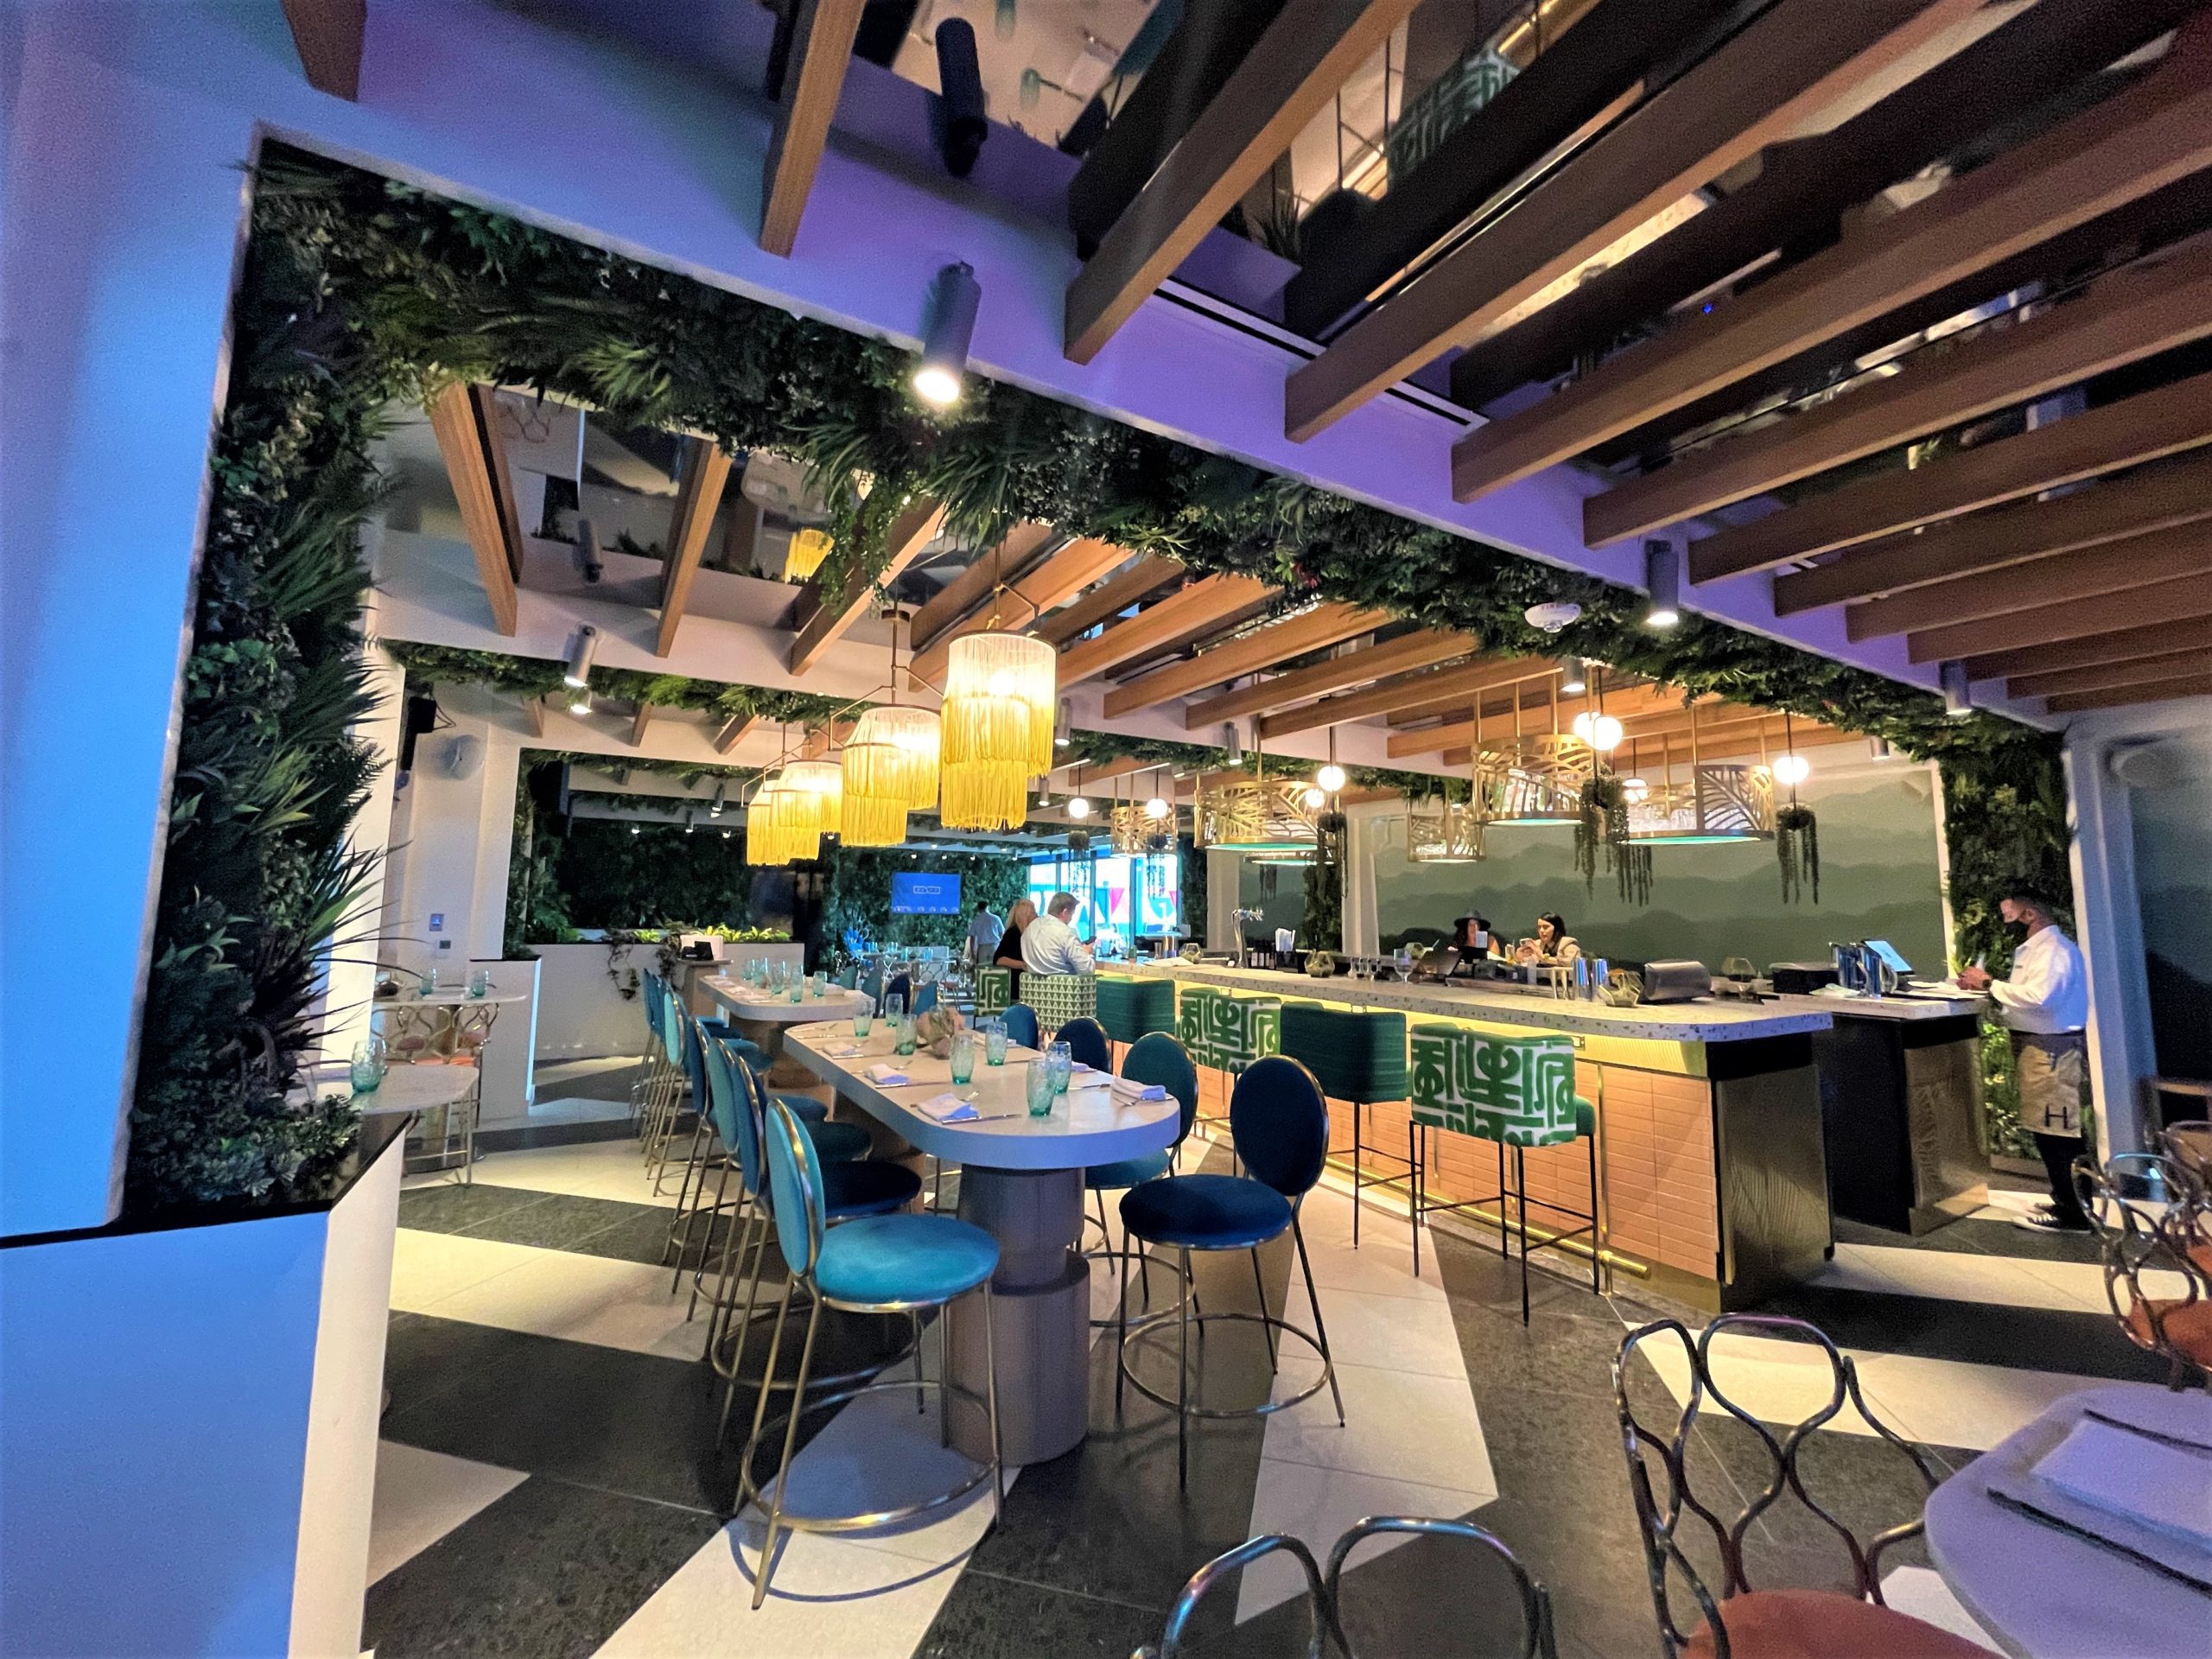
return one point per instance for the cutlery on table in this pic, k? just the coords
(2042, 1517)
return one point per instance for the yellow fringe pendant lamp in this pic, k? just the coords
(825, 781)
(782, 825)
(913, 734)
(1000, 700)
(874, 812)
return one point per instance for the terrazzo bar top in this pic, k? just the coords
(1678, 1022)
(1927, 1006)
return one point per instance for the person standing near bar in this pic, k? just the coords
(2044, 1004)
(1050, 946)
(1008, 954)
(983, 934)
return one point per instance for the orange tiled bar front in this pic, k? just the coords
(1713, 1180)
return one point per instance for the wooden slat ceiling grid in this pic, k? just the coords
(1315, 629)
(2129, 146)
(2191, 685)
(2185, 550)
(1349, 668)
(822, 34)
(2171, 493)
(957, 599)
(1053, 581)
(1795, 58)
(1432, 685)
(822, 620)
(1735, 740)
(2087, 651)
(2146, 607)
(1204, 603)
(2144, 670)
(1144, 578)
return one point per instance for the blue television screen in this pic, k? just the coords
(913, 893)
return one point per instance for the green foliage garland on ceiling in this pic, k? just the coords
(539, 676)
(360, 290)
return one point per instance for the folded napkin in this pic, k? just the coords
(883, 1074)
(1076, 1068)
(948, 1108)
(2166, 1487)
(843, 1051)
(1128, 1090)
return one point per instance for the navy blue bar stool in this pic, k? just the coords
(1020, 1024)
(1086, 1041)
(1155, 1057)
(878, 1264)
(1279, 1125)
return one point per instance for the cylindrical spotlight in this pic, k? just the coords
(1878, 748)
(1958, 699)
(587, 559)
(1575, 677)
(582, 650)
(939, 377)
(580, 702)
(1065, 724)
(960, 86)
(1663, 579)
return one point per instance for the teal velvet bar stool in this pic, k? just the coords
(874, 1264)
(1135, 1008)
(1359, 1056)
(1512, 1091)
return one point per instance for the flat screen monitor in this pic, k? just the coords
(916, 893)
(1888, 953)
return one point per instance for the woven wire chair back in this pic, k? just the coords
(2154, 1227)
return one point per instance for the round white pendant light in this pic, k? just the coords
(1079, 807)
(1601, 732)
(1157, 808)
(1791, 769)
(1330, 778)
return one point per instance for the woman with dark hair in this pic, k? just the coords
(1476, 941)
(1552, 946)
(1008, 955)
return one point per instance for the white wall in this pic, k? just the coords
(459, 837)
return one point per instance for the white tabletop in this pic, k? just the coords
(764, 1008)
(1084, 1128)
(447, 996)
(2043, 1594)
(406, 1088)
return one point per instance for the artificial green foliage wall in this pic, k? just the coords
(359, 290)
(859, 897)
(659, 877)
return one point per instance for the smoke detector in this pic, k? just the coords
(1552, 615)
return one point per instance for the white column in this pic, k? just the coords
(2109, 928)
(1224, 892)
(1365, 827)
(349, 985)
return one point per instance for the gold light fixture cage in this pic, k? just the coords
(1131, 831)
(1257, 815)
(1537, 780)
(1707, 803)
(1438, 831)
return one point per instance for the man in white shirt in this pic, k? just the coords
(2044, 1003)
(1049, 944)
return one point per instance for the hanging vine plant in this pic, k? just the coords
(1797, 847)
(1601, 829)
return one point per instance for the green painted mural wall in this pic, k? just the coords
(1879, 879)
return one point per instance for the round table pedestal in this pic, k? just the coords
(1041, 1301)
(783, 1073)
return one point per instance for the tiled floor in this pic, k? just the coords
(552, 1483)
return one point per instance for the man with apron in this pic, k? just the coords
(2044, 1003)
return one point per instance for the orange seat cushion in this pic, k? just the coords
(2188, 1327)
(1825, 1625)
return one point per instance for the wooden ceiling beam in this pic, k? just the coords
(1110, 598)
(1654, 701)
(734, 732)
(2126, 434)
(1356, 667)
(2172, 493)
(327, 34)
(1534, 674)
(478, 470)
(638, 721)
(2141, 670)
(814, 75)
(1324, 625)
(2128, 146)
(1301, 62)
(2134, 607)
(957, 599)
(822, 622)
(705, 470)
(1718, 741)
(1781, 69)
(533, 710)
(1433, 686)
(1804, 184)
(1058, 578)
(2185, 550)
(1580, 81)
(2121, 646)
(2082, 703)
(1204, 601)
(1202, 637)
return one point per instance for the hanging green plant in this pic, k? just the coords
(1798, 849)
(1632, 867)
(1601, 827)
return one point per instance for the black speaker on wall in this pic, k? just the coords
(420, 716)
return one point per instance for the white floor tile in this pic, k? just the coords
(1399, 1333)
(1959, 1276)
(427, 1267)
(591, 1298)
(1775, 1380)
(1399, 1425)
(1920, 1592)
(422, 1496)
(1317, 1505)
(596, 1169)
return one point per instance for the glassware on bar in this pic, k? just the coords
(479, 983)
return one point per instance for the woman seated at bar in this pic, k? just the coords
(1476, 940)
(1008, 955)
(1553, 946)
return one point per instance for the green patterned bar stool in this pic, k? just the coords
(993, 990)
(1241, 1030)
(1359, 1056)
(1511, 1091)
(1191, 1002)
(1060, 998)
(1130, 1008)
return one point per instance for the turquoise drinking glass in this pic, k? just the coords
(964, 1056)
(480, 984)
(863, 1021)
(1043, 1090)
(995, 1043)
(905, 1044)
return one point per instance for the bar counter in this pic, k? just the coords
(1713, 1170)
